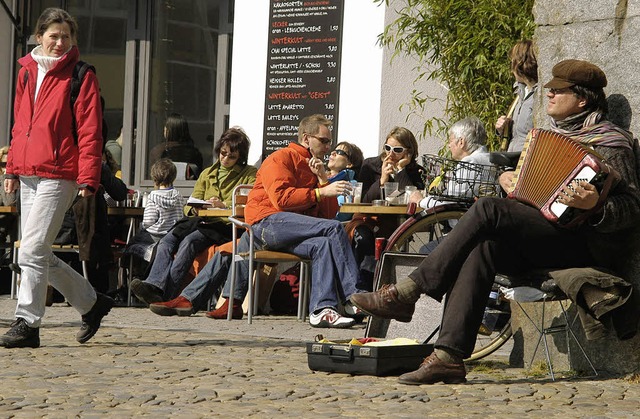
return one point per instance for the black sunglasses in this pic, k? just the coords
(396, 149)
(340, 152)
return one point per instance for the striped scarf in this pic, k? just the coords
(590, 129)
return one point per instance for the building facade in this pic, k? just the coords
(206, 60)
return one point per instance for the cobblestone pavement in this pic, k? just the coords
(143, 364)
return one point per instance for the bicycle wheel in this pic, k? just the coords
(420, 235)
(491, 338)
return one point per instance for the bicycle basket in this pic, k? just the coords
(451, 180)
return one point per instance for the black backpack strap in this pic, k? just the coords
(25, 78)
(79, 71)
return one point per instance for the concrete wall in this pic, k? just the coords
(398, 75)
(607, 33)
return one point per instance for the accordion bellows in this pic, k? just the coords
(551, 161)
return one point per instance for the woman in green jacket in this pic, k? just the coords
(177, 250)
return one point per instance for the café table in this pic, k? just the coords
(215, 212)
(370, 209)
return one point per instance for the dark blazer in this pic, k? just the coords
(371, 172)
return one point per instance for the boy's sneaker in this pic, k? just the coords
(354, 312)
(146, 292)
(21, 335)
(330, 318)
(91, 321)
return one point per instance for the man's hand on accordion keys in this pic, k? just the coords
(579, 194)
(506, 180)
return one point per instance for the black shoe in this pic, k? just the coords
(91, 320)
(21, 335)
(146, 292)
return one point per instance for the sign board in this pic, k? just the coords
(303, 67)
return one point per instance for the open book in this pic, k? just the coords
(195, 202)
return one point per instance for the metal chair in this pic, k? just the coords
(552, 293)
(257, 257)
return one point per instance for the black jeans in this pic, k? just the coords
(495, 235)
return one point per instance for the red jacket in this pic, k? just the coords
(285, 182)
(42, 141)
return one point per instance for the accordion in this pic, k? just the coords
(551, 161)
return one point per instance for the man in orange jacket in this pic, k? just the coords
(292, 211)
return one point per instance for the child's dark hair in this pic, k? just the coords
(163, 172)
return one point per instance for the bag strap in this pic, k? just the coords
(77, 78)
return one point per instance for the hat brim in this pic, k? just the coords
(558, 83)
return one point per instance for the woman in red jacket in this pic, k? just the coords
(52, 164)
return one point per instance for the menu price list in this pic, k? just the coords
(303, 67)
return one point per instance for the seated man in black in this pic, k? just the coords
(504, 235)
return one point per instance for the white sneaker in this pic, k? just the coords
(330, 318)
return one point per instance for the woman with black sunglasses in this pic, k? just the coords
(396, 163)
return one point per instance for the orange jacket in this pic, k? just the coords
(286, 183)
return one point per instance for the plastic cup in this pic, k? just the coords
(390, 191)
(408, 190)
(356, 192)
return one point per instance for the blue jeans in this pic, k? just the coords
(43, 203)
(208, 280)
(334, 270)
(168, 271)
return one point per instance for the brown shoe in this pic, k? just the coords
(180, 306)
(433, 370)
(384, 303)
(221, 312)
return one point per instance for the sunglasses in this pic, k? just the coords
(323, 140)
(396, 149)
(340, 153)
(560, 91)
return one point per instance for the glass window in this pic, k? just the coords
(184, 72)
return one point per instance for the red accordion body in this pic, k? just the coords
(551, 161)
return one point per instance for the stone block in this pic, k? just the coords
(608, 355)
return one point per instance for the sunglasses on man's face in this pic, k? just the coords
(396, 149)
(323, 140)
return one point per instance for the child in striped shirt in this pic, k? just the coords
(163, 209)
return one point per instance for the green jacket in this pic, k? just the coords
(207, 185)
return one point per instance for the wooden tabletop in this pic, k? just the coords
(217, 212)
(8, 209)
(374, 209)
(126, 211)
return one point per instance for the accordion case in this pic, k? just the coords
(549, 162)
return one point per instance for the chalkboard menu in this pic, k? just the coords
(303, 67)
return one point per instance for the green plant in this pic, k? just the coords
(465, 44)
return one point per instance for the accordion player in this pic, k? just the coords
(550, 162)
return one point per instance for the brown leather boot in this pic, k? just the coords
(433, 370)
(221, 313)
(384, 303)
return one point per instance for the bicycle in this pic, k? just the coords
(423, 230)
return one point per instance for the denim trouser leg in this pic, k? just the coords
(190, 247)
(211, 277)
(323, 241)
(42, 207)
(167, 270)
(161, 266)
(242, 271)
